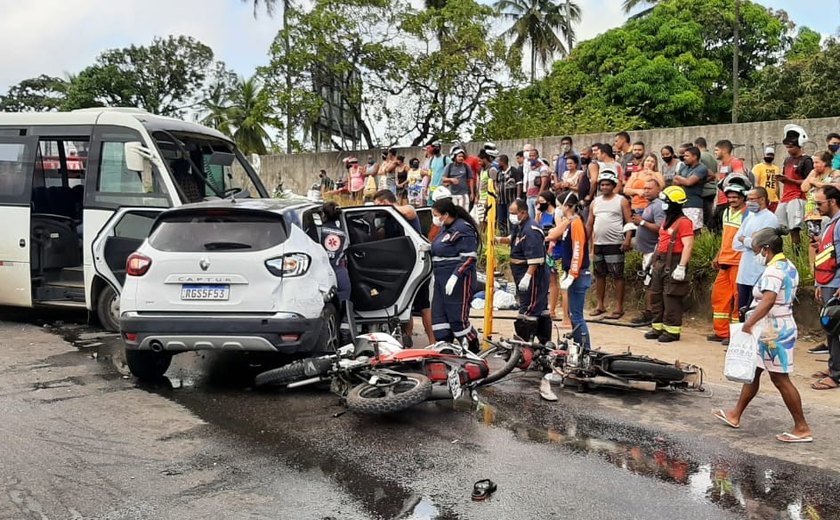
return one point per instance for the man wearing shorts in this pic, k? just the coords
(691, 179)
(607, 217)
(791, 209)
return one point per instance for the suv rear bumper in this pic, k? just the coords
(282, 332)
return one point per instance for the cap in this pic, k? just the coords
(769, 151)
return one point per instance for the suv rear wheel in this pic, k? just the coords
(328, 340)
(145, 364)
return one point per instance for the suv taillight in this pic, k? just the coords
(137, 264)
(289, 265)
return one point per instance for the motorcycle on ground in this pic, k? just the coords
(376, 375)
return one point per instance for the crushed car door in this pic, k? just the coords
(387, 260)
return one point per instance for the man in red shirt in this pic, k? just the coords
(727, 165)
(797, 166)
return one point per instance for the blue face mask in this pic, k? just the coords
(834, 147)
(753, 207)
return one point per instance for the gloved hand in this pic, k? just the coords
(679, 273)
(525, 282)
(566, 282)
(450, 284)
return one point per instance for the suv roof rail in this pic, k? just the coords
(124, 110)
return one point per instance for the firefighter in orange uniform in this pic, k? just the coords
(725, 289)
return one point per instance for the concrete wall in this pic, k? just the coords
(299, 171)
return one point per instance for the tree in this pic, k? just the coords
(249, 114)
(669, 68)
(537, 22)
(161, 78)
(41, 94)
(628, 5)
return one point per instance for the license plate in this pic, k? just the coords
(453, 381)
(205, 292)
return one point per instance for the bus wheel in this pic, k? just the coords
(108, 309)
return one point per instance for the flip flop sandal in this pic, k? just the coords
(821, 374)
(614, 316)
(791, 438)
(483, 489)
(822, 385)
(598, 312)
(721, 415)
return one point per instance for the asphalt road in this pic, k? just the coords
(82, 440)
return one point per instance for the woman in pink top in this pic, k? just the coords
(357, 179)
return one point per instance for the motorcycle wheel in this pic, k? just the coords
(294, 371)
(412, 389)
(646, 369)
(510, 356)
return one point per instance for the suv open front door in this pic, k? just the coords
(17, 166)
(387, 260)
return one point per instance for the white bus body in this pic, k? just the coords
(79, 191)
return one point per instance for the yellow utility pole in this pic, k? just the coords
(490, 257)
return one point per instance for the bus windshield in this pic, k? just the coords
(205, 167)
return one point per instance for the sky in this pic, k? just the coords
(57, 37)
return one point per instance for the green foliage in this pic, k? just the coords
(161, 78)
(801, 87)
(667, 68)
(41, 94)
(537, 23)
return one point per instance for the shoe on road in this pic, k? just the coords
(715, 338)
(545, 390)
(653, 334)
(668, 338)
(822, 348)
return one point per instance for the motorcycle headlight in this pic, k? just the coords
(290, 265)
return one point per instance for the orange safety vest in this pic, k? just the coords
(731, 225)
(825, 262)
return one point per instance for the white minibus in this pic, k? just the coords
(79, 192)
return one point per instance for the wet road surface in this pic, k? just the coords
(549, 460)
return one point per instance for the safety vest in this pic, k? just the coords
(731, 224)
(826, 259)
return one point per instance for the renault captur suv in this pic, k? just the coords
(253, 275)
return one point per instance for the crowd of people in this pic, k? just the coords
(570, 221)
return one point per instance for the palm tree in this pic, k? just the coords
(537, 22)
(248, 116)
(215, 109)
(269, 6)
(629, 5)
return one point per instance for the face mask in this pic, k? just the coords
(437, 221)
(371, 161)
(584, 161)
(834, 147)
(760, 259)
(682, 157)
(542, 207)
(753, 206)
(513, 219)
(668, 159)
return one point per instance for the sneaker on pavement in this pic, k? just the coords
(668, 338)
(822, 348)
(546, 392)
(642, 319)
(653, 334)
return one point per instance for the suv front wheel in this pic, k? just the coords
(145, 364)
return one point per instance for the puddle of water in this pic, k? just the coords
(758, 488)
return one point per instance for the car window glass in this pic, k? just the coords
(372, 225)
(115, 177)
(135, 225)
(13, 171)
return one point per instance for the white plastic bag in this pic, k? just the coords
(742, 354)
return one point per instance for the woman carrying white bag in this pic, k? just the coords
(772, 311)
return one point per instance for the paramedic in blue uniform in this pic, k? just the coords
(334, 242)
(530, 273)
(454, 257)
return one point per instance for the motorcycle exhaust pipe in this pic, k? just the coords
(304, 382)
(156, 346)
(647, 386)
(439, 393)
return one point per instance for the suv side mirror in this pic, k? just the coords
(136, 154)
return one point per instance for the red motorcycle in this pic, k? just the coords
(376, 375)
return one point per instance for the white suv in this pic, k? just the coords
(251, 275)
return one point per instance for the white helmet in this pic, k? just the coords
(441, 192)
(796, 132)
(608, 174)
(457, 150)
